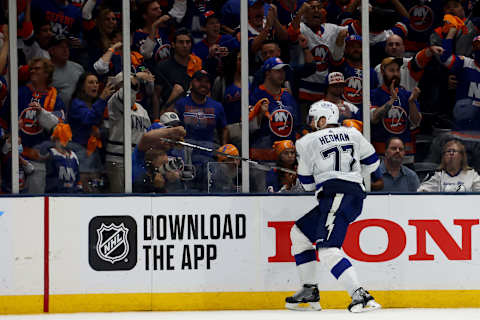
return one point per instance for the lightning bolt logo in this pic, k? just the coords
(331, 214)
(329, 224)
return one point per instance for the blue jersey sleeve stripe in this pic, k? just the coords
(305, 257)
(370, 159)
(340, 267)
(306, 179)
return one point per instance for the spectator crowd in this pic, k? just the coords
(186, 84)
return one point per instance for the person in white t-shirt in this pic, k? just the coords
(454, 174)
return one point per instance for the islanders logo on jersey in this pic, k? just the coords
(396, 120)
(421, 18)
(320, 55)
(281, 123)
(28, 120)
(353, 90)
(162, 52)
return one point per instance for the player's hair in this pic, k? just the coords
(47, 66)
(463, 152)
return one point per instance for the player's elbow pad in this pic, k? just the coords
(370, 163)
(367, 169)
(308, 182)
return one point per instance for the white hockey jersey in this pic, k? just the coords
(340, 153)
(140, 123)
(441, 181)
(324, 49)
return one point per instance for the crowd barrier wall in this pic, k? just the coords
(93, 254)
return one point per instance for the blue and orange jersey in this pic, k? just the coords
(162, 48)
(63, 175)
(353, 91)
(467, 71)
(285, 14)
(395, 123)
(282, 122)
(31, 132)
(65, 20)
(425, 16)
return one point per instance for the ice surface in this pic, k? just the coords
(387, 314)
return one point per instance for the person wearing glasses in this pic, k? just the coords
(453, 174)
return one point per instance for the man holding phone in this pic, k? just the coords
(214, 46)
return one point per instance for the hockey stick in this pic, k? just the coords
(255, 163)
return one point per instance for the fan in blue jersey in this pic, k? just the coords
(203, 117)
(351, 67)
(214, 46)
(64, 17)
(280, 181)
(63, 174)
(395, 111)
(151, 39)
(280, 119)
(467, 71)
(332, 161)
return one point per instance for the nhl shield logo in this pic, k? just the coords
(112, 244)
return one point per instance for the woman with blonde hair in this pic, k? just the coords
(453, 174)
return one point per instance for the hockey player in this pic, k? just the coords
(331, 161)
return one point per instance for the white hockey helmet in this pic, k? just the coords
(321, 109)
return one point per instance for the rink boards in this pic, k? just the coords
(91, 254)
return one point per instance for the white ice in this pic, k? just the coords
(383, 314)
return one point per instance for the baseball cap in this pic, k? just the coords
(353, 37)
(390, 60)
(57, 40)
(274, 64)
(336, 77)
(210, 14)
(170, 119)
(200, 74)
(477, 38)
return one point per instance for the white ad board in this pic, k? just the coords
(230, 244)
(21, 246)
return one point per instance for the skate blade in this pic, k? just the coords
(309, 306)
(371, 305)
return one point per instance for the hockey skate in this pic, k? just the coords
(307, 298)
(362, 301)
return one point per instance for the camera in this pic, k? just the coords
(173, 164)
